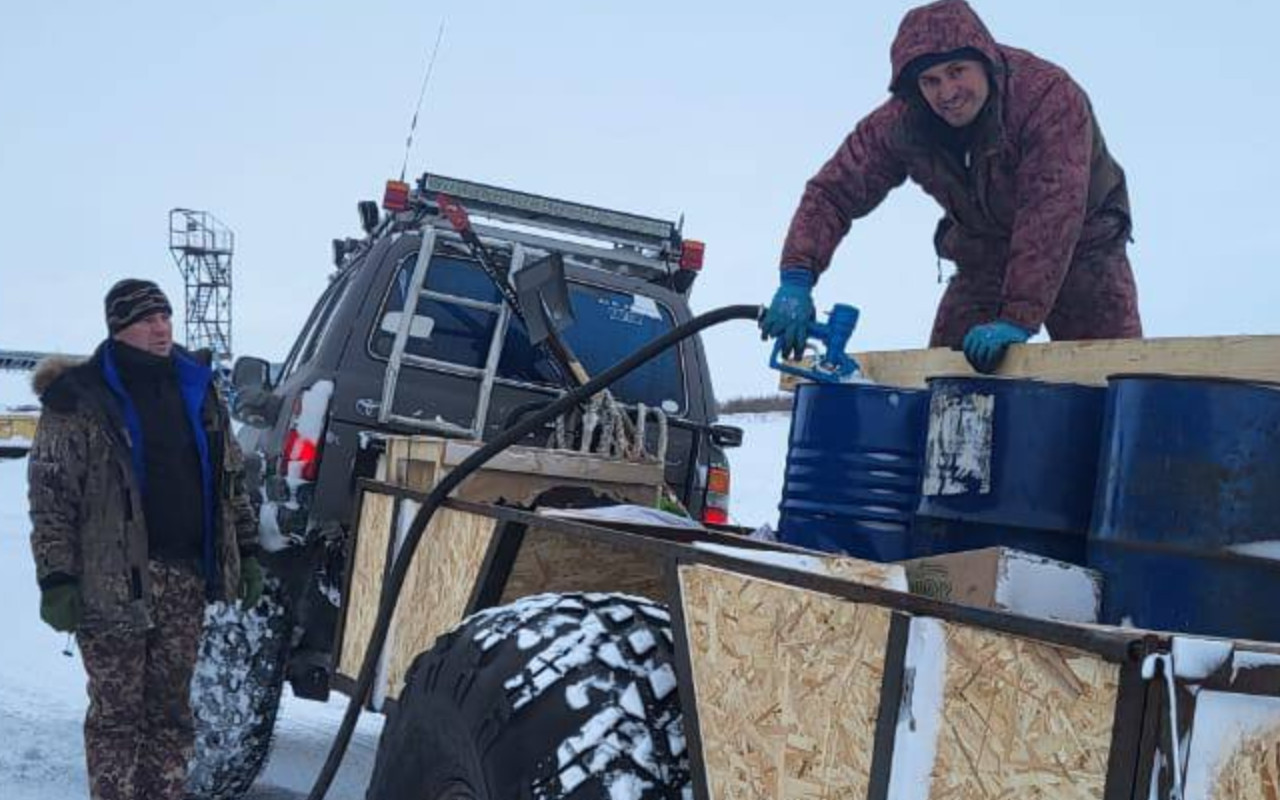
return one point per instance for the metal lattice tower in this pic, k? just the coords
(202, 247)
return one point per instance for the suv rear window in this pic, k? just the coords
(610, 325)
(441, 330)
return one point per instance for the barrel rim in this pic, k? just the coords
(1010, 379)
(1173, 376)
(880, 387)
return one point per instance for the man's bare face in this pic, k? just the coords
(955, 90)
(153, 333)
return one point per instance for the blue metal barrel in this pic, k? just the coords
(1188, 506)
(1009, 462)
(853, 469)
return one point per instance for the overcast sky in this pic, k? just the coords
(279, 116)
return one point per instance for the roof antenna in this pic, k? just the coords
(426, 79)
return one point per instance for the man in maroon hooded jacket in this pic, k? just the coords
(1037, 212)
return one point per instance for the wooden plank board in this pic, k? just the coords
(367, 563)
(441, 577)
(788, 685)
(518, 475)
(1245, 357)
(557, 562)
(561, 463)
(1021, 718)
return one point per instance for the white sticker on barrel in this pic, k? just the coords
(957, 457)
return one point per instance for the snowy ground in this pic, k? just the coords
(756, 467)
(42, 697)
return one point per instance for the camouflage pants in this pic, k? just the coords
(1098, 298)
(139, 732)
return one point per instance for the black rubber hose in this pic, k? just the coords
(400, 568)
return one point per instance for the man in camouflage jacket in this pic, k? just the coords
(1036, 209)
(139, 518)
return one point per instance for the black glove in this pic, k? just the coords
(61, 607)
(250, 582)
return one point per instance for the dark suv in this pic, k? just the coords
(462, 365)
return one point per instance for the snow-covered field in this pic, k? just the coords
(756, 467)
(42, 697)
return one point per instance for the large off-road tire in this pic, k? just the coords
(235, 693)
(554, 697)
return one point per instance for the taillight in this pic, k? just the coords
(715, 509)
(691, 253)
(300, 452)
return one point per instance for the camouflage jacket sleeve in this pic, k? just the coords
(245, 520)
(237, 497)
(850, 185)
(1052, 185)
(56, 471)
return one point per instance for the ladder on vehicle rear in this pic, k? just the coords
(604, 422)
(398, 358)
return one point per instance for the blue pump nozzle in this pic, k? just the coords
(832, 365)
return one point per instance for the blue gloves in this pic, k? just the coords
(790, 312)
(984, 345)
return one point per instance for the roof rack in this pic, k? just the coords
(512, 206)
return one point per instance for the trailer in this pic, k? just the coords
(566, 653)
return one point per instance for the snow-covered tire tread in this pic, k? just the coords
(235, 694)
(581, 687)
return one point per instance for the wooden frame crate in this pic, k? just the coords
(517, 475)
(809, 684)
(467, 561)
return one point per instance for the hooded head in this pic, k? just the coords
(933, 35)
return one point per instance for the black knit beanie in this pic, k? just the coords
(906, 84)
(131, 300)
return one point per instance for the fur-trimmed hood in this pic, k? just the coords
(60, 380)
(50, 369)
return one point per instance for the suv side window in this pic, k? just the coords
(313, 332)
(440, 330)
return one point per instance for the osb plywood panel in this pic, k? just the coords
(890, 576)
(1252, 772)
(1022, 719)
(441, 577)
(369, 558)
(1234, 747)
(787, 683)
(549, 561)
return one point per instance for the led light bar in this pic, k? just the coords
(479, 198)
